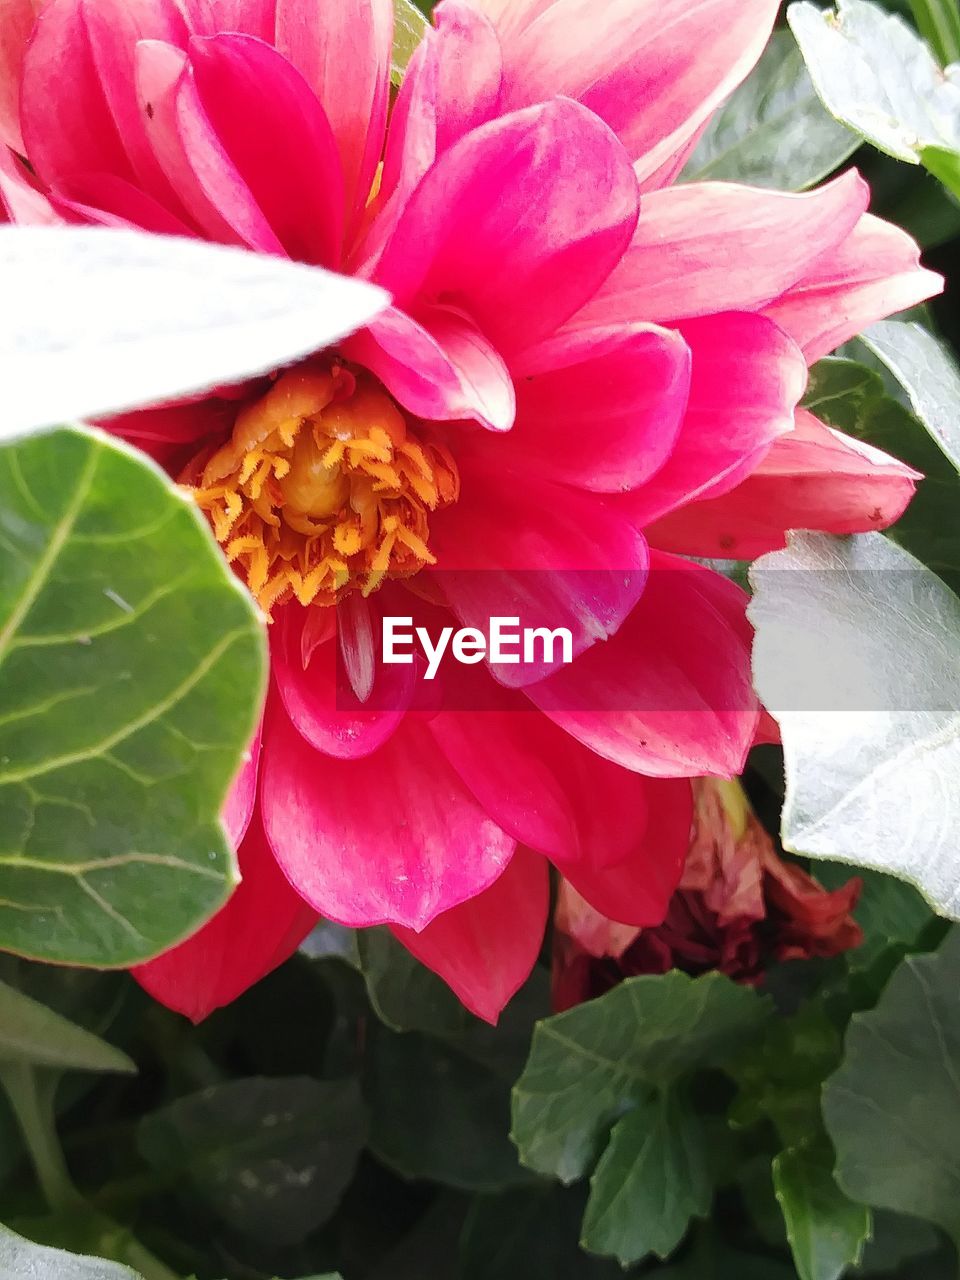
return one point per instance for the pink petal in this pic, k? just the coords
(520, 264)
(439, 366)
(485, 949)
(67, 124)
(638, 889)
(451, 85)
(813, 478)
(747, 377)
(393, 838)
(20, 198)
(654, 70)
(249, 17)
(670, 694)
(261, 925)
(274, 131)
(114, 202)
(469, 70)
(173, 434)
(316, 692)
(517, 546)
(16, 22)
(410, 150)
(343, 51)
(238, 810)
(206, 180)
(114, 28)
(714, 246)
(540, 785)
(873, 273)
(599, 408)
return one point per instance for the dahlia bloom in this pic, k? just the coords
(738, 909)
(584, 370)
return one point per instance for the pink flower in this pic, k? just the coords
(583, 371)
(738, 909)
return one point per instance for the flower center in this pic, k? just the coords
(323, 488)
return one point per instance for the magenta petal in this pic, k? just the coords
(486, 386)
(451, 85)
(393, 838)
(747, 377)
(274, 130)
(873, 273)
(522, 263)
(316, 692)
(538, 783)
(343, 50)
(671, 693)
(638, 889)
(439, 366)
(485, 949)
(715, 246)
(261, 925)
(518, 546)
(599, 408)
(813, 478)
(202, 170)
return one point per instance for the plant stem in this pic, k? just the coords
(32, 1100)
(939, 24)
(149, 1266)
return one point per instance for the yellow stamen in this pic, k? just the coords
(322, 489)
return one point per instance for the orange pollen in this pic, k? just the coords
(323, 488)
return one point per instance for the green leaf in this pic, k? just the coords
(97, 320)
(852, 398)
(896, 1241)
(650, 1181)
(590, 1065)
(271, 1157)
(409, 28)
(891, 1109)
(943, 164)
(826, 1229)
(30, 1032)
(21, 1258)
(929, 376)
(875, 74)
(430, 1248)
(871, 737)
(781, 1078)
(774, 130)
(406, 995)
(529, 1234)
(939, 24)
(439, 1114)
(890, 912)
(131, 671)
(83, 1230)
(712, 1259)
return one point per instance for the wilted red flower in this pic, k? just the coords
(738, 909)
(583, 369)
